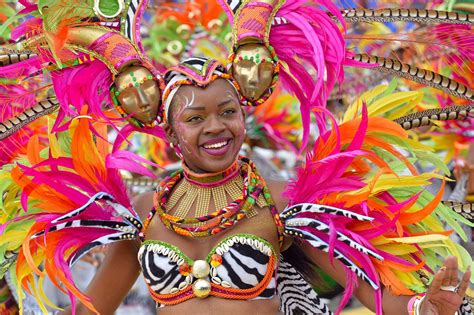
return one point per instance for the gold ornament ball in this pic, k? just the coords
(202, 288)
(200, 269)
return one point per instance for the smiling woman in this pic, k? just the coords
(212, 236)
(207, 125)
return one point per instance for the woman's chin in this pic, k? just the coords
(216, 164)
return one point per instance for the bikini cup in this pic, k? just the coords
(242, 266)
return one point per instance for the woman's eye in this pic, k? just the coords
(193, 119)
(229, 112)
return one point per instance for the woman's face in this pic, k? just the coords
(208, 126)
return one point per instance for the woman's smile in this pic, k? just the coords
(218, 146)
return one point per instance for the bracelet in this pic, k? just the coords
(417, 305)
(410, 304)
(414, 304)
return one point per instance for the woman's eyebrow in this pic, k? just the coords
(202, 107)
(224, 102)
(195, 108)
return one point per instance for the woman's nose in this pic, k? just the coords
(214, 125)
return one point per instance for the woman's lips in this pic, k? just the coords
(217, 146)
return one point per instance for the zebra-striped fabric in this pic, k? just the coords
(161, 274)
(131, 21)
(195, 65)
(233, 5)
(244, 267)
(296, 295)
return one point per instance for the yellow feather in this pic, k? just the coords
(43, 296)
(366, 97)
(390, 181)
(38, 294)
(419, 239)
(398, 249)
(13, 239)
(407, 278)
(54, 147)
(389, 102)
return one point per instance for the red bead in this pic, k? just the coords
(184, 269)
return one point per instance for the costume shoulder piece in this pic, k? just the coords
(364, 203)
(70, 205)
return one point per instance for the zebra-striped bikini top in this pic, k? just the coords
(241, 267)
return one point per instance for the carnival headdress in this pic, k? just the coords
(198, 71)
(75, 50)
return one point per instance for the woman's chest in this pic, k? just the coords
(261, 226)
(242, 257)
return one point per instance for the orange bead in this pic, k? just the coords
(216, 260)
(184, 269)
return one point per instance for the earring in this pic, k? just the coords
(177, 150)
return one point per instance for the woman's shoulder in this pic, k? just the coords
(277, 188)
(143, 204)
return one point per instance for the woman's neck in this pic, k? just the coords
(211, 179)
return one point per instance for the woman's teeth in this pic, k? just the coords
(215, 145)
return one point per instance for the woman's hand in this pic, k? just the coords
(445, 294)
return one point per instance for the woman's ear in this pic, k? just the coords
(170, 133)
(243, 112)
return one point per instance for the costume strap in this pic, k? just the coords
(147, 222)
(271, 205)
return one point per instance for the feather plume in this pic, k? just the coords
(311, 49)
(349, 169)
(71, 203)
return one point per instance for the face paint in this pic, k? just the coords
(208, 125)
(188, 102)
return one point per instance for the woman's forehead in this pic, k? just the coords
(216, 92)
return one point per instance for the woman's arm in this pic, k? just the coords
(437, 300)
(113, 280)
(118, 272)
(365, 294)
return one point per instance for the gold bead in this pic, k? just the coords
(202, 288)
(200, 269)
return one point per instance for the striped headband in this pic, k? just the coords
(198, 71)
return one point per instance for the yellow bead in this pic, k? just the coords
(200, 269)
(202, 288)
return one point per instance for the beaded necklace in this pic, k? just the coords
(221, 219)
